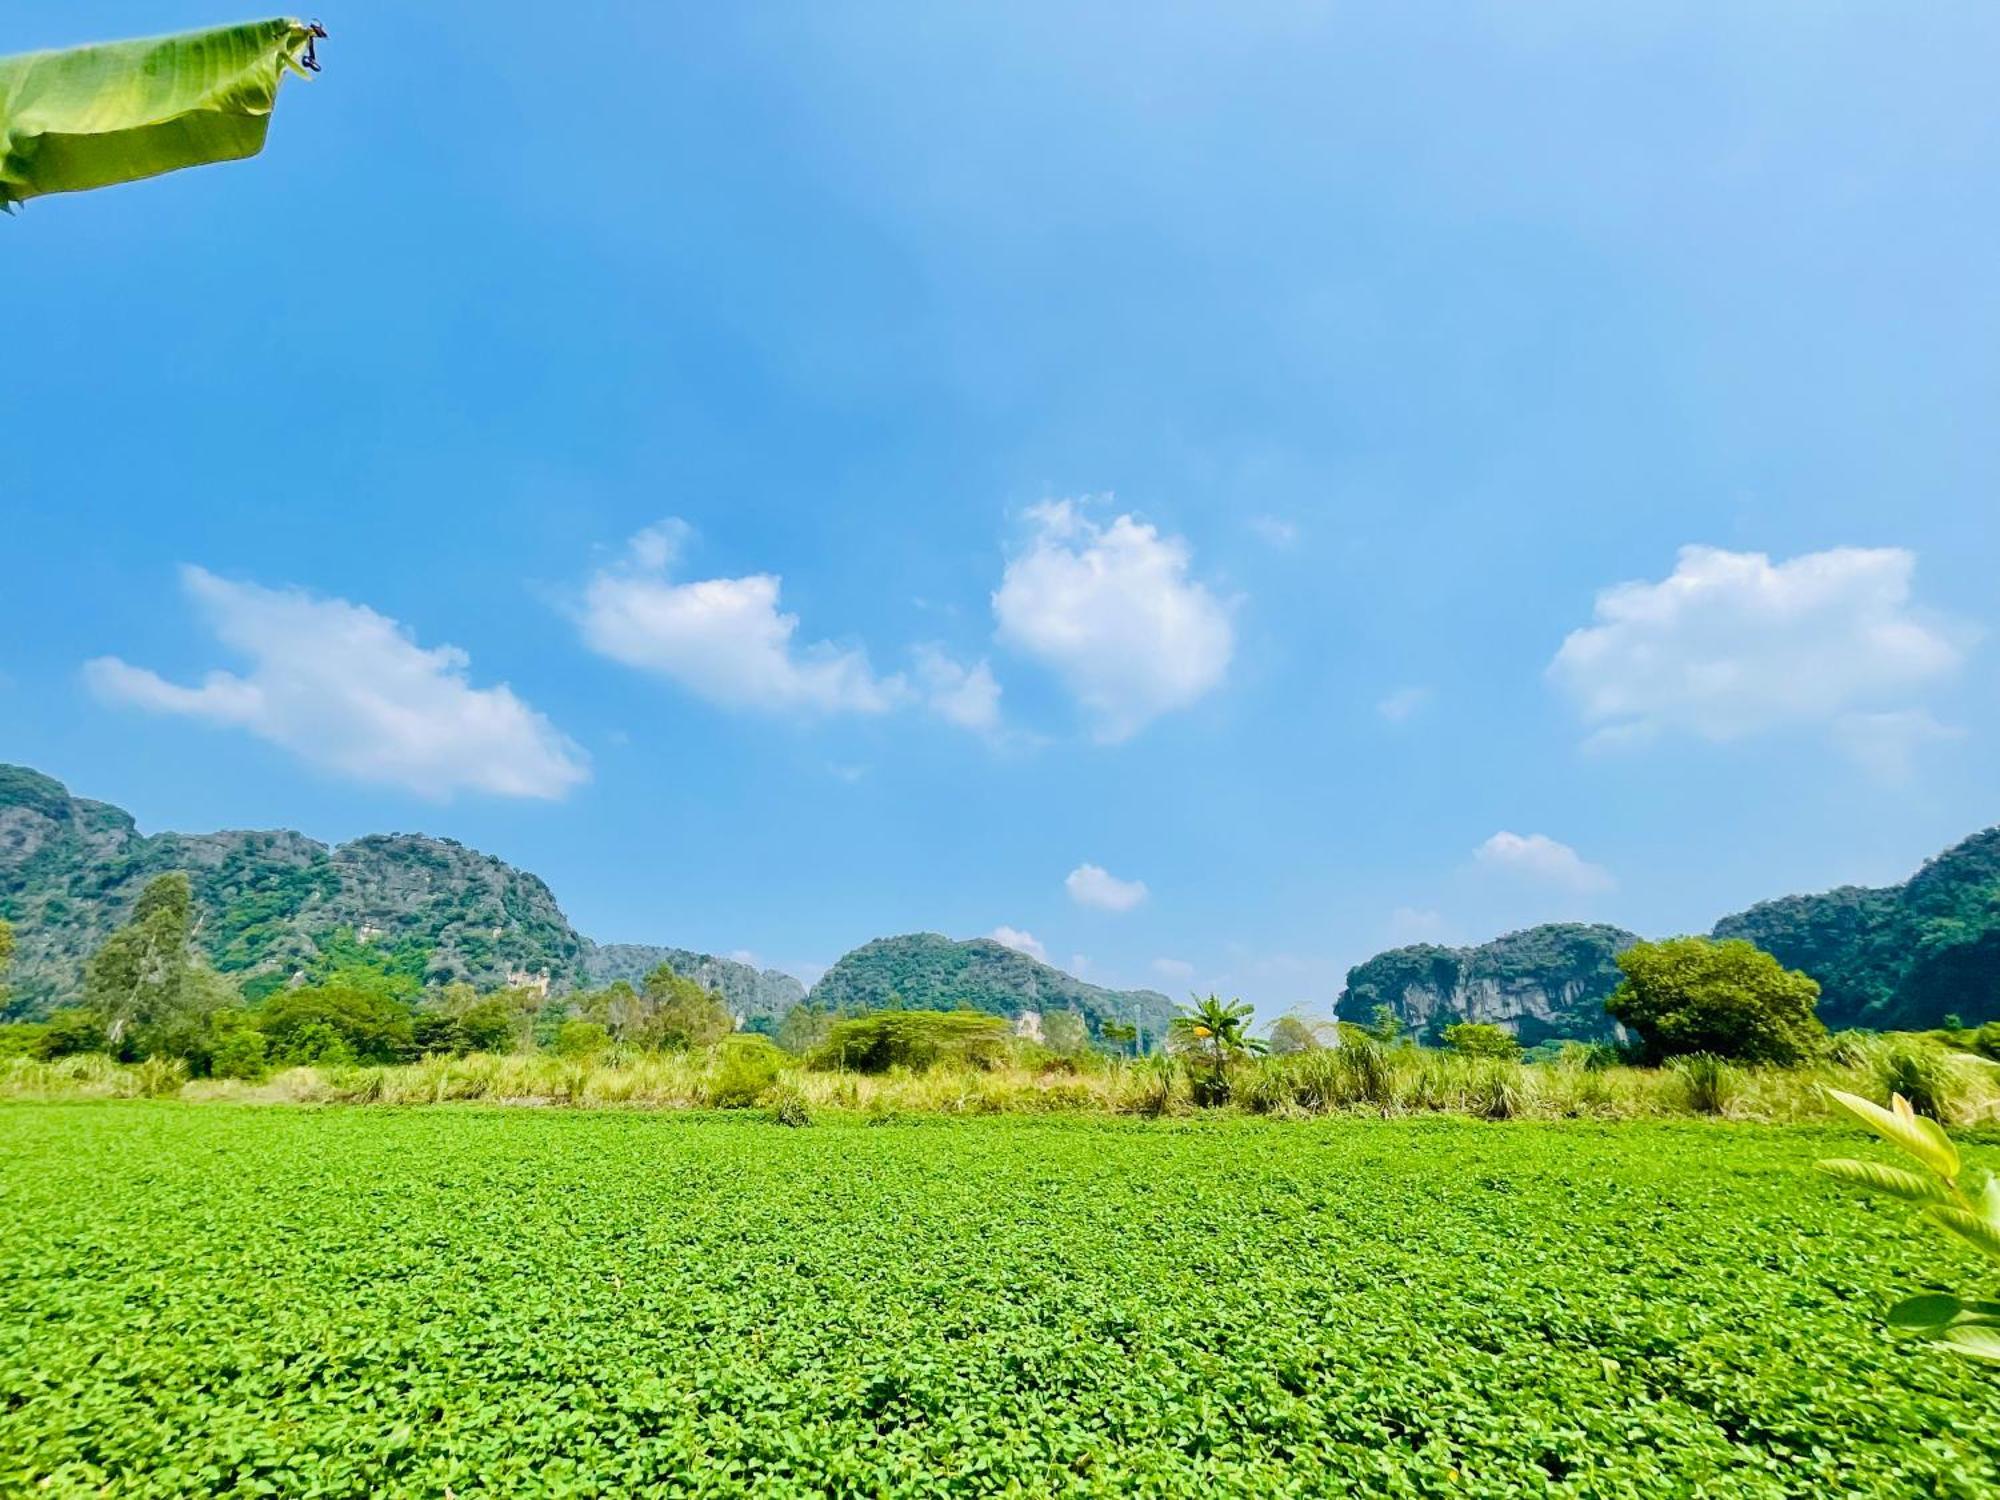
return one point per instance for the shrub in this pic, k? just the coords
(916, 1039)
(158, 1077)
(1709, 1085)
(1729, 999)
(579, 1040)
(788, 1107)
(1481, 1039)
(1924, 1074)
(747, 1066)
(239, 1054)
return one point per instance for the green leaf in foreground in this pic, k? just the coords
(88, 117)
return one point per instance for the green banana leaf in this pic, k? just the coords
(87, 117)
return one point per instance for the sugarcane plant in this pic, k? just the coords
(89, 117)
(1963, 1201)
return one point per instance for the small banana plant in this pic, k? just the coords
(1963, 1201)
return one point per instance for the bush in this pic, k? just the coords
(1924, 1074)
(747, 1067)
(579, 1040)
(1728, 999)
(240, 1054)
(916, 1039)
(788, 1107)
(159, 1077)
(73, 1033)
(1481, 1039)
(1709, 1085)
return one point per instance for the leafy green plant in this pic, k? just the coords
(1212, 1036)
(1481, 1039)
(88, 117)
(1923, 1073)
(1709, 1084)
(1964, 1202)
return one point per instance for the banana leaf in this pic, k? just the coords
(87, 117)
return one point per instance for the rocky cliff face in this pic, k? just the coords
(1547, 983)
(748, 992)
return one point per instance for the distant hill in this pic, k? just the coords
(1899, 956)
(1547, 983)
(1887, 957)
(749, 992)
(925, 971)
(70, 869)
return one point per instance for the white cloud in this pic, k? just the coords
(1402, 704)
(347, 689)
(1886, 743)
(1020, 942)
(722, 638)
(1541, 858)
(1275, 530)
(1112, 611)
(1175, 970)
(745, 956)
(1093, 885)
(961, 695)
(1731, 644)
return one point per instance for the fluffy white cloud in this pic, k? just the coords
(1019, 941)
(348, 690)
(722, 638)
(1541, 858)
(961, 695)
(1730, 644)
(1093, 885)
(1176, 970)
(1402, 704)
(726, 640)
(1114, 613)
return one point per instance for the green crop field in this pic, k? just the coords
(232, 1300)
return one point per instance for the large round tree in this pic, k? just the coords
(1731, 999)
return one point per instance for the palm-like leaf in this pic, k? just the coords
(87, 117)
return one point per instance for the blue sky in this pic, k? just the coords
(1199, 449)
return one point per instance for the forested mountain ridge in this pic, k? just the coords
(1885, 957)
(927, 971)
(269, 901)
(268, 904)
(1895, 956)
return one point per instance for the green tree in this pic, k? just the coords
(1124, 1035)
(683, 1013)
(579, 1040)
(135, 979)
(1213, 1035)
(1729, 999)
(336, 1022)
(1481, 1039)
(6, 957)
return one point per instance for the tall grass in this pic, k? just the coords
(1360, 1077)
